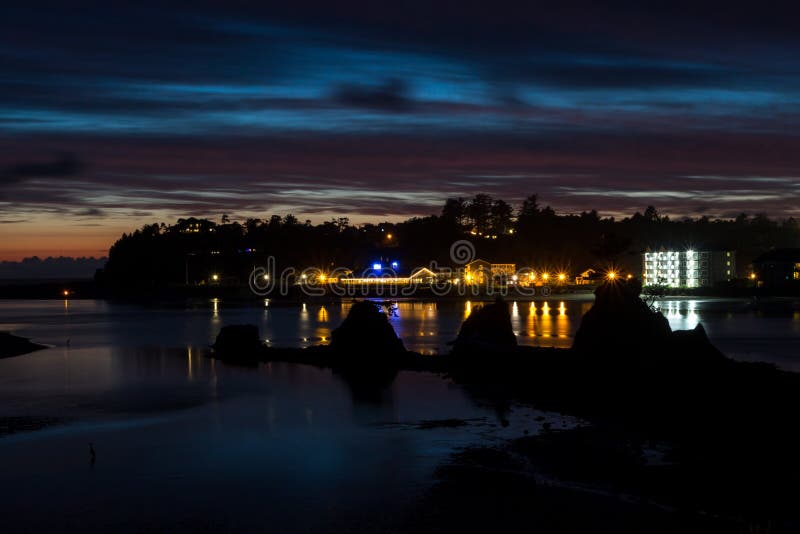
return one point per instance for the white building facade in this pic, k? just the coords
(688, 268)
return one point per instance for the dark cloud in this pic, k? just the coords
(63, 166)
(90, 212)
(391, 95)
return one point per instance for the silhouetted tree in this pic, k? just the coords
(157, 254)
(501, 217)
(454, 211)
(479, 212)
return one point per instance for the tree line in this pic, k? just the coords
(192, 249)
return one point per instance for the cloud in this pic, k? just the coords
(63, 166)
(391, 95)
(90, 212)
(376, 110)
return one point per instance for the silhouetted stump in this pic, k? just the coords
(239, 343)
(366, 331)
(11, 345)
(488, 328)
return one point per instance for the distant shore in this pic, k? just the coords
(89, 289)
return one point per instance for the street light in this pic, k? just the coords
(215, 277)
(611, 275)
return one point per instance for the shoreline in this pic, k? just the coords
(11, 345)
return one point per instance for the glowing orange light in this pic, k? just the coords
(752, 276)
(562, 276)
(66, 292)
(388, 236)
(630, 276)
(215, 277)
(322, 278)
(545, 276)
(611, 275)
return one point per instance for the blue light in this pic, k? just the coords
(394, 264)
(377, 267)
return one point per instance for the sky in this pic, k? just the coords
(113, 115)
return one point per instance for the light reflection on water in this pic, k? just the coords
(426, 327)
(201, 445)
(185, 442)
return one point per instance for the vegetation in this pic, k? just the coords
(192, 250)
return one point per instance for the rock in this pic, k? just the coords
(694, 343)
(622, 326)
(488, 328)
(366, 331)
(11, 345)
(238, 342)
(620, 323)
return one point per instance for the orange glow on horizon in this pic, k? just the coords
(56, 238)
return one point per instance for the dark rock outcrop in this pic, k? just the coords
(239, 343)
(366, 332)
(620, 325)
(487, 329)
(11, 345)
(691, 343)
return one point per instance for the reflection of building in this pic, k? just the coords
(481, 271)
(688, 268)
(778, 268)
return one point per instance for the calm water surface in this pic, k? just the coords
(770, 333)
(184, 441)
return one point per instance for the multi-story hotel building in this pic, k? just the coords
(688, 268)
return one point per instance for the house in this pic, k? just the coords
(481, 271)
(589, 276)
(421, 275)
(778, 268)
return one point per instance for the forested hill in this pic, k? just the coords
(529, 235)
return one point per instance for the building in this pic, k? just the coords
(588, 277)
(421, 275)
(481, 272)
(688, 268)
(778, 268)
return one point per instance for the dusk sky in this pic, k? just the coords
(112, 117)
